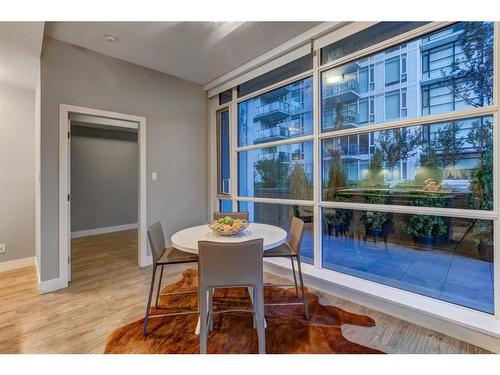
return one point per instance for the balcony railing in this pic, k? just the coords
(280, 155)
(349, 120)
(277, 132)
(341, 88)
(274, 110)
(282, 130)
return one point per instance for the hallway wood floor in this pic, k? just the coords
(109, 290)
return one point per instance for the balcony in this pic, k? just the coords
(283, 130)
(279, 156)
(349, 120)
(272, 134)
(345, 92)
(274, 111)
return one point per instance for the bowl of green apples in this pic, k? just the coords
(227, 226)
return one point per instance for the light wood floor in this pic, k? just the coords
(109, 290)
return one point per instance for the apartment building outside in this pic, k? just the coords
(410, 80)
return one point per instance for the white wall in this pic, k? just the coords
(17, 171)
(104, 178)
(175, 112)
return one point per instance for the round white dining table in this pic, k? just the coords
(187, 239)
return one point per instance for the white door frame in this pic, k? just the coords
(143, 258)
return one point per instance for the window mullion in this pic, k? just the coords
(275, 143)
(316, 162)
(432, 211)
(430, 119)
(233, 115)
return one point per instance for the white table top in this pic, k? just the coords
(187, 239)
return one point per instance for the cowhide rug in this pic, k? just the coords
(287, 330)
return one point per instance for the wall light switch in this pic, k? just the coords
(154, 176)
(2, 248)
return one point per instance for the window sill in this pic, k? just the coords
(476, 327)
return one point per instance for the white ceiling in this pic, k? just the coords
(196, 51)
(20, 47)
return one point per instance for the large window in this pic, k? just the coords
(440, 72)
(403, 148)
(445, 164)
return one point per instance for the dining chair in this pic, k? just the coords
(243, 215)
(230, 265)
(291, 250)
(163, 256)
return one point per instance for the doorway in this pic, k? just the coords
(92, 214)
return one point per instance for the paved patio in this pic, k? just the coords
(443, 275)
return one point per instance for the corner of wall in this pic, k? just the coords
(38, 105)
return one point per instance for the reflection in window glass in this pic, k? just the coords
(225, 205)
(446, 258)
(283, 113)
(392, 105)
(225, 96)
(281, 216)
(365, 38)
(284, 171)
(447, 164)
(291, 69)
(392, 71)
(445, 71)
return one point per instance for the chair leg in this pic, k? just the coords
(202, 303)
(159, 287)
(146, 318)
(304, 297)
(211, 309)
(255, 310)
(259, 309)
(295, 278)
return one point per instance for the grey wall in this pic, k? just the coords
(176, 134)
(17, 172)
(104, 178)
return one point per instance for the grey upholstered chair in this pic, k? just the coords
(291, 250)
(163, 256)
(243, 215)
(228, 265)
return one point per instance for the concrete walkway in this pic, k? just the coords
(443, 275)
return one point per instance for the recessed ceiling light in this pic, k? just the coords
(110, 38)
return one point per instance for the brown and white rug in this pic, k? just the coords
(287, 330)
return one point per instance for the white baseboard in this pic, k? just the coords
(51, 285)
(95, 231)
(147, 262)
(16, 263)
(422, 318)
